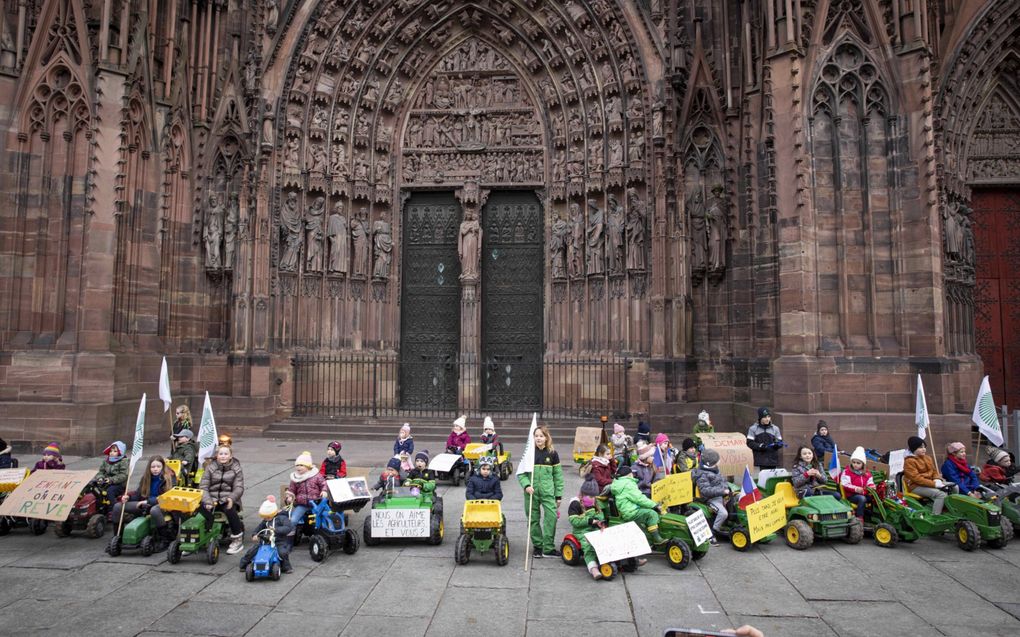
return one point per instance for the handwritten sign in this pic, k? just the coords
(734, 453)
(618, 542)
(698, 526)
(587, 439)
(400, 522)
(348, 490)
(896, 458)
(46, 495)
(11, 478)
(444, 462)
(674, 489)
(765, 517)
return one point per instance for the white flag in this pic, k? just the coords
(921, 411)
(164, 387)
(985, 416)
(207, 432)
(139, 443)
(527, 463)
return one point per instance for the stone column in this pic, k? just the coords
(472, 369)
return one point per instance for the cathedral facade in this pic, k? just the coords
(654, 206)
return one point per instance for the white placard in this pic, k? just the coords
(347, 489)
(618, 542)
(896, 461)
(444, 461)
(12, 476)
(400, 522)
(765, 474)
(698, 526)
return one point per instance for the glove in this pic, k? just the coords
(939, 484)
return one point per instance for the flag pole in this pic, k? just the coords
(123, 504)
(931, 437)
(527, 543)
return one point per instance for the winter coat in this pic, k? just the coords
(5, 456)
(421, 474)
(334, 467)
(186, 453)
(629, 499)
(966, 481)
(220, 482)
(711, 484)
(992, 473)
(458, 440)
(547, 475)
(849, 479)
(685, 463)
(919, 471)
(645, 475)
(48, 464)
(583, 520)
(497, 446)
(802, 481)
(281, 524)
(603, 473)
(404, 446)
(479, 488)
(167, 482)
(387, 479)
(822, 445)
(764, 443)
(114, 472)
(180, 425)
(307, 487)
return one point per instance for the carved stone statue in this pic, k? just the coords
(636, 216)
(313, 235)
(715, 217)
(558, 242)
(230, 232)
(339, 237)
(954, 231)
(469, 246)
(657, 113)
(360, 237)
(292, 160)
(615, 228)
(699, 231)
(272, 16)
(596, 238)
(575, 249)
(290, 229)
(267, 123)
(382, 170)
(212, 234)
(615, 153)
(383, 240)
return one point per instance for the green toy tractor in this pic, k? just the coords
(973, 520)
(482, 529)
(414, 495)
(679, 546)
(736, 526)
(816, 516)
(193, 536)
(139, 534)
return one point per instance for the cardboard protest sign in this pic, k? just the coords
(11, 478)
(46, 495)
(765, 517)
(674, 489)
(444, 462)
(734, 453)
(618, 542)
(698, 526)
(896, 458)
(348, 490)
(588, 439)
(400, 523)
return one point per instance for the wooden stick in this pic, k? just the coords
(527, 543)
(931, 437)
(123, 505)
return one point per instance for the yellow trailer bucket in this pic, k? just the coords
(180, 499)
(482, 514)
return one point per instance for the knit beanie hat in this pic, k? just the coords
(394, 464)
(858, 454)
(914, 443)
(763, 411)
(703, 415)
(643, 427)
(821, 423)
(623, 471)
(335, 446)
(996, 455)
(661, 438)
(52, 449)
(646, 452)
(460, 423)
(304, 460)
(488, 424)
(953, 447)
(688, 443)
(589, 486)
(709, 457)
(422, 455)
(618, 428)
(186, 433)
(269, 508)
(406, 427)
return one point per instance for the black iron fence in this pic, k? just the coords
(349, 385)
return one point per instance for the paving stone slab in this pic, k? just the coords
(343, 595)
(732, 575)
(867, 619)
(306, 624)
(489, 612)
(18, 583)
(92, 582)
(788, 626)
(395, 596)
(232, 586)
(558, 593)
(362, 625)
(825, 574)
(690, 604)
(986, 576)
(561, 627)
(483, 572)
(217, 620)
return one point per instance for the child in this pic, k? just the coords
(635, 506)
(544, 486)
(489, 437)
(714, 489)
(765, 440)
(584, 517)
(113, 473)
(956, 469)
(458, 438)
(666, 457)
(806, 475)
(999, 469)
(644, 469)
(222, 488)
(421, 470)
(182, 421)
(403, 448)
(390, 476)
(306, 484)
(277, 520)
(484, 485)
(703, 426)
(51, 458)
(623, 444)
(603, 467)
(5, 455)
(185, 451)
(687, 459)
(333, 466)
(822, 442)
(644, 432)
(921, 477)
(153, 483)
(855, 482)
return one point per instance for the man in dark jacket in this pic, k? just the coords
(484, 485)
(765, 440)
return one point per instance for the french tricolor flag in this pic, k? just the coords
(749, 492)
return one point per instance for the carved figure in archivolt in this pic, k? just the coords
(383, 240)
(596, 238)
(360, 237)
(290, 229)
(615, 228)
(267, 123)
(469, 246)
(313, 235)
(699, 230)
(636, 216)
(212, 234)
(558, 241)
(575, 249)
(338, 233)
(272, 15)
(230, 231)
(954, 231)
(715, 217)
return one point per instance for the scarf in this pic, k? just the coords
(961, 465)
(114, 460)
(155, 486)
(307, 475)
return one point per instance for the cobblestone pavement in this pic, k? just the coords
(56, 586)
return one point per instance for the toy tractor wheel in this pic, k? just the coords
(968, 537)
(96, 525)
(274, 571)
(5, 525)
(436, 529)
(1006, 528)
(502, 550)
(173, 552)
(886, 535)
(147, 546)
(367, 532)
(607, 571)
(678, 554)
(318, 548)
(113, 546)
(37, 526)
(462, 552)
(212, 552)
(855, 533)
(455, 476)
(350, 543)
(62, 529)
(570, 553)
(739, 539)
(799, 535)
(249, 573)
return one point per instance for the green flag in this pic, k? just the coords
(985, 416)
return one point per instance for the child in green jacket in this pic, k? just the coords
(584, 518)
(544, 487)
(113, 473)
(634, 506)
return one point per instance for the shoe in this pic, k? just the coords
(243, 567)
(551, 553)
(595, 572)
(236, 544)
(537, 553)
(657, 539)
(287, 568)
(713, 541)
(641, 561)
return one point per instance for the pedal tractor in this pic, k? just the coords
(972, 520)
(267, 559)
(587, 440)
(736, 525)
(185, 478)
(327, 530)
(1008, 498)
(679, 546)
(139, 533)
(12, 478)
(482, 528)
(90, 513)
(192, 536)
(459, 472)
(473, 453)
(414, 494)
(816, 516)
(572, 555)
